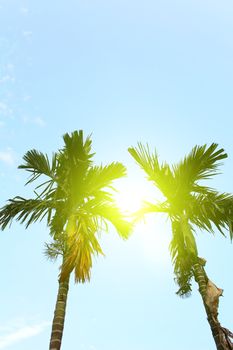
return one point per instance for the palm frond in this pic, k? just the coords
(76, 152)
(201, 163)
(213, 208)
(54, 249)
(38, 164)
(82, 245)
(160, 174)
(74, 161)
(105, 210)
(150, 208)
(147, 161)
(76, 199)
(99, 177)
(57, 222)
(25, 211)
(76, 147)
(183, 252)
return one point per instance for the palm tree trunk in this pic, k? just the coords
(210, 296)
(59, 315)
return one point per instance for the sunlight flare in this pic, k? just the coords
(131, 195)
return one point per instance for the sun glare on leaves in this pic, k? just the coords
(151, 231)
(130, 196)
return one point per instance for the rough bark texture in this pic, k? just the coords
(210, 297)
(59, 316)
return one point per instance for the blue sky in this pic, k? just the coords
(126, 71)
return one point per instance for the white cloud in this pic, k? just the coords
(37, 121)
(21, 333)
(10, 67)
(7, 157)
(26, 98)
(24, 10)
(8, 75)
(27, 34)
(3, 106)
(5, 109)
(7, 78)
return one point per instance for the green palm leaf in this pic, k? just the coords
(77, 202)
(25, 211)
(212, 208)
(108, 212)
(38, 164)
(200, 164)
(160, 174)
(82, 245)
(99, 177)
(187, 202)
(76, 192)
(73, 163)
(76, 148)
(183, 252)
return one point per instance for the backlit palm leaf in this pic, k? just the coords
(104, 209)
(38, 164)
(99, 177)
(160, 174)
(25, 211)
(200, 164)
(188, 202)
(82, 245)
(212, 208)
(76, 200)
(183, 252)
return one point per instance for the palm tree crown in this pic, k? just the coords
(75, 197)
(188, 203)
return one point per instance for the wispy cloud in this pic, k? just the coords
(27, 98)
(39, 121)
(7, 156)
(27, 34)
(5, 110)
(10, 67)
(24, 10)
(36, 120)
(7, 78)
(7, 74)
(22, 333)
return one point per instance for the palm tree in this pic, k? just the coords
(76, 198)
(190, 205)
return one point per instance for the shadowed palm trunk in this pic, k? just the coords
(210, 297)
(59, 315)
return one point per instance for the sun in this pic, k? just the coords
(152, 240)
(129, 200)
(131, 195)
